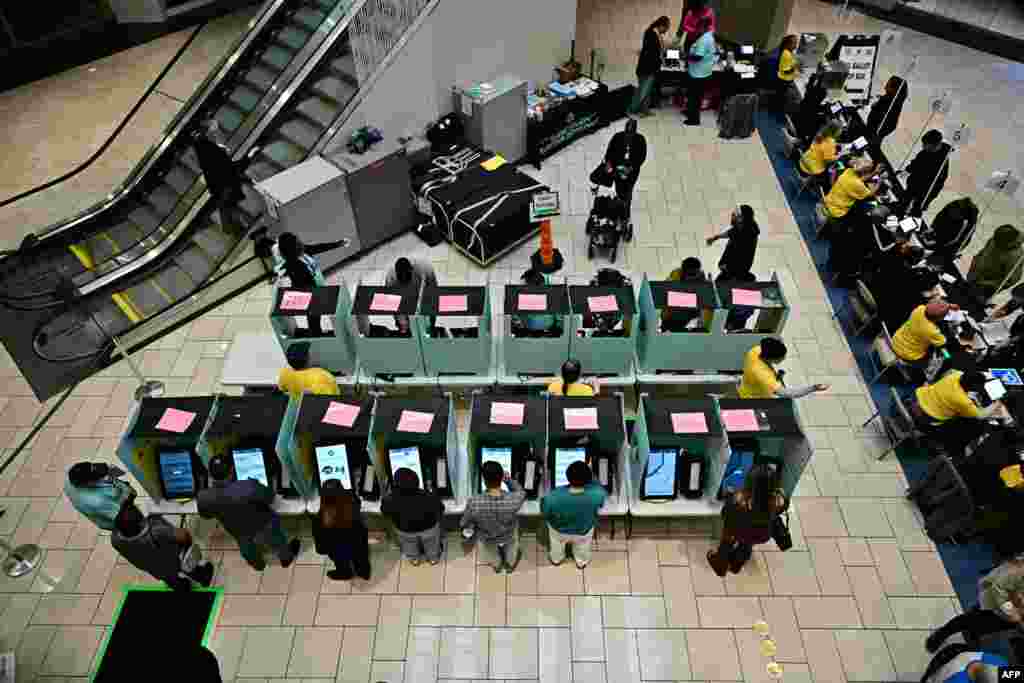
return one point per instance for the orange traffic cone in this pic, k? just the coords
(547, 259)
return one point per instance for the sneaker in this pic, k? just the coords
(581, 565)
(414, 563)
(690, 122)
(204, 575)
(294, 547)
(335, 575)
(555, 564)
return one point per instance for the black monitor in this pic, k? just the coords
(660, 481)
(177, 474)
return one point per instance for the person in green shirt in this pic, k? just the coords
(571, 514)
(1000, 257)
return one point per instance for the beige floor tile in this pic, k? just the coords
(442, 610)
(315, 652)
(72, 651)
(854, 551)
(865, 655)
(60, 571)
(781, 617)
(425, 578)
(541, 610)
(32, 650)
(15, 616)
(928, 573)
(387, 672)
(492, 601)
(228, 643)
(922, 613)
(892, 567)
(828, 566)
(673, 552)
(607, 573)
(355, 665)
(460, 567)
(276, 580)
(826, 612)
(236, 576)
(705, 581)
(267, 650)
(464, 653)
(524, 580)
(753, 578)
(823, 655)
(792, 573)
(393, 627)
(424, 655)
(731, 612)
(66, 610)
(644, 576)
(680, 601)
(663, 655)
(633, 612)
(713, 655)
(253, 610)
(347, 610)
(820, 517)
(385, 566)
(752, 661)
(588, 672)
(587, 631)
(864, 517)
(870, 597)
(514, 653)
(564, 579)
(908, 654)
(553, 648)
(300, 609)
(623, 662)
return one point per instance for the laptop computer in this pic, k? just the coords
(249, 464)
(565, 457)
(177, 476)
(332, 463)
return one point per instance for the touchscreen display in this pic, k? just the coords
(565, 457)
(661, 473)
(176, 472)
(408, 458)
(502, 456)
(249, 465)
(332, 463)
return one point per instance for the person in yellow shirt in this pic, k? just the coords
(762, 380)
(299, 377)
(822, 152)
(789, 69)
(949, 409)
(570, 384)
(851, 187)
(914, 341)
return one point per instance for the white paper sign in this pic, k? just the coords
(861, 60)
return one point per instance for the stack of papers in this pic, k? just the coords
(909, 224)
(742, 68)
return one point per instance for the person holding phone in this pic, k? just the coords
(493, 518)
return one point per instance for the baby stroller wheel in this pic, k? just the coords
(590, 251)
(615, 251)
(629, 232)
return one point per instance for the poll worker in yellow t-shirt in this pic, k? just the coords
(570, 384)
(762, 380)
(851, 187)
(789, 69)
(822, 152)
(914, 341)
(299, 377)
(949, 408)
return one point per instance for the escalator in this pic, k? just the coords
(118, 289)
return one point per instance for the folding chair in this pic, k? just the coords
(882, 349)
(821, 218)
(899, 427)
(791, 146)
(945, 502)
(862, 306)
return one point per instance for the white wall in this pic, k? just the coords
(465, 40)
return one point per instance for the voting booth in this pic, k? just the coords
(326, 437)
(592, 430)
(765, 430)
(749, 312)
(510, 430)
(244, 429)
(161, 450)
(382, 346)
(536, 330)
(675, 326)
(680, 454)
(456, 331)
(418, 434)
(603, 332)
(318, 317)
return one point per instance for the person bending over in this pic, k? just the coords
(762, 380)
(415, 275)
(299, 378)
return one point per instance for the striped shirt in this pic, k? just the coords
(494, 517)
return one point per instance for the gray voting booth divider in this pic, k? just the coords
(769, 314)
(334, 350)
(603, 351)
(456, 352)
(527, 353)
(380, 351)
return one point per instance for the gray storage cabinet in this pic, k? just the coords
(494, 118)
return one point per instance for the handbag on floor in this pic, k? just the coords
(601, 176)
(780, 532)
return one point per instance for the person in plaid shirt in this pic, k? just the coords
(492, 516)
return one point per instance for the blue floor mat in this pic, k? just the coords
(964, 563)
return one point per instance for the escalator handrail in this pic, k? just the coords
(117, 131)
(263, 115)
(175, 128)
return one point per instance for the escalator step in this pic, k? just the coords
(214, 243)
(146, 299)
(260, 78)
(187, 158)
(292, 38)
(335, 94)
(326, 5)
(345, 67)
(230, 119)
(180, 178)
(300, 131)
(162, 199)
(307, 18)
(146, 218)
(275, 58)
(125, 235)
(284, 153)
(263, 168)
(244, 97)
(175, 282)
(196, 264)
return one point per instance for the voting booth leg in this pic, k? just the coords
(146, 389)
(21, 560)
(547, 259)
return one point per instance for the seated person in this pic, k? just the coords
(570, 384)
(736, 320)
(537, 324)
(299, 377)
(821, 153)
(951, 229)
(852, 186)
(914, 341)
(690, 270)
(677, 319)
(762, 380)
(950, 409)
(999, 262)
(413, 275)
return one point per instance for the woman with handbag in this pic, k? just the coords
(751, 516)
(339, 532)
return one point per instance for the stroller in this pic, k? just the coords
(607, 223)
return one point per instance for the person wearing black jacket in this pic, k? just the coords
(340, 534)
(649, 65)
(417, 516)
(297, 263)
(738, 257)
(224, 177)
(927, 173)
(952, 228)
(626, 153)
(885, 112)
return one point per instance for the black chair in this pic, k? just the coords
(949, 510)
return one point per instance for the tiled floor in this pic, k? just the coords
(851, 602)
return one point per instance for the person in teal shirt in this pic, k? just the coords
(95, 490)
(700, 63)
(571, 514)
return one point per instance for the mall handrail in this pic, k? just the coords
(117, 131)
(255, 124)
(178, 123)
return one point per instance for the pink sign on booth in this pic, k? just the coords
(602, 304)
(452, 303)
(689, 423)
(746, 297)
(533, 302)
(682, 300)
(295, 301)
(341, 414)
(743, 420)
(174, 420)
(580, 418)
(507, 414)
(415, 421)
(386, 303)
